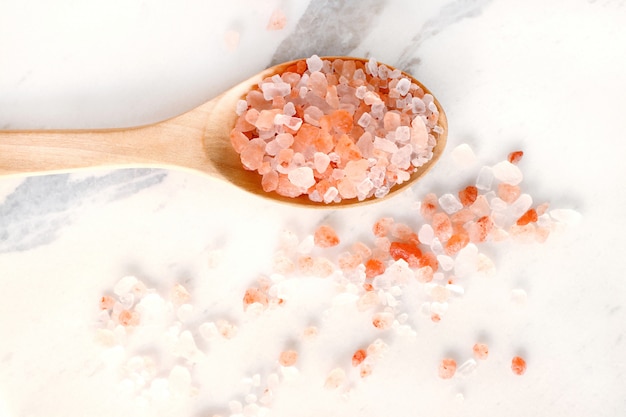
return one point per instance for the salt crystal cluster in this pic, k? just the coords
(335, 129)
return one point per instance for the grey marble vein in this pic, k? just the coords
(40, 207)
(329, 27)
(449, 14)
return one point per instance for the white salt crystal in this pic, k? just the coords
(330, 194)
(403, 86)
(371, 98)
(403, 134)
(377, 110)
(360, 92)
(463, 156)
(372, 66)
(306, 245)
(484, 179)
(125, 285)
(466, 261)
(445, 262)
(383, 72)
(302, 177)
(426, 234)
(455, 289)
(520, 206)
(566, 216)
(208, 330)
(320, 161)
(467, 367)
(449, 203)
(289, 109)
(402, 158)
(179, 381)
(314, 63)
(518, 296)
(438, 308)
(507, 172)
(436, 246)
(365, 120)
(364, 187)
(417, 105)
(184, 312)
(275, 89)
(385, 145)
(242, 106)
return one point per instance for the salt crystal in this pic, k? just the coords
(507, 173)
(372, 67)
(275, 89)
(306, 245)
(402, 159)
(466, 261)
(426, 234)
(360, 92)
(365, 120)
(330, 194)
(463, 156)
(242, 106)
(403, 86)
(439, 308)
(417, 105)
(314, 63)
(484, 179)
(445, 262)
(302, 177)
(336, 378)
(385, 145)
(277, 20)
(184, 312)
(403, 134)
(180, 381)
(518, 296)
(521, 205)
(125, 285)
(208, 330)
(467, 368)
(449, 203)
(485, 265)
(566, 216)
(371, 98)
(455, 289)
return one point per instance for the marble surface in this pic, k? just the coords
(545, 77)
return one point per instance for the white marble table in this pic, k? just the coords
(545, 77)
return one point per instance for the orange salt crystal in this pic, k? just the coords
(518, 365)
(462, 216)
(382, 320)
(447, 368)
(442, 226)
(481, 351)
(348, 261)
(514, 157)
(288, 358)
(106, 302)
(254, 295)
(479, 230)
(305, 264)
(406, 251)
(456, 243)
(238, 140)
(468, 195)
(358, 357)
(325, 237)
(128, 318)
(362, 250)
(436, 318)
(341, 121)
(382, 226)
(429, 206)
(529, 217)
(424, 274)
(374, 267)
(347, 150)
(429, 259)
(508, 193)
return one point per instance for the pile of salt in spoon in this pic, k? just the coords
(335, 129)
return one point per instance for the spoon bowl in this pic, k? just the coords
(197, 140)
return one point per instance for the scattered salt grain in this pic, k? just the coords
(447, 368)
(277, 20)
(336, 378)
(463, 156)
(507, 173)
(125, 285)
(467, 368)
(449, 203)
(485, 178)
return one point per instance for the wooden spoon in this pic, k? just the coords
(197, 140)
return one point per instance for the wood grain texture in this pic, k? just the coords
(197, 140)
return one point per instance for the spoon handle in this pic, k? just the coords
(176, 142)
